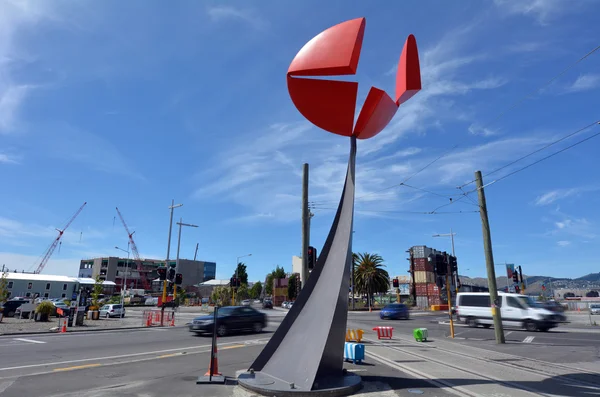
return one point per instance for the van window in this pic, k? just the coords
(475, 300)
(511, 301)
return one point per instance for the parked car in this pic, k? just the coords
(594, 308)
(256, 301)
(267, 304)
(246, 302)
(554, 307)
(394, 311)
(284, 304)
(516, 310)
(112, 311)
(230, 319)
(290, 304)
(10, 306)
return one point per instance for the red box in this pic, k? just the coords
(421, 289)
(433, 289)
(422, 265)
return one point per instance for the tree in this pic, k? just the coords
(256, 290)
(241, 273)
(97, 291)
(279, 272)
(269, 286)
(369, 276)
(242, 293)
(292, 287)
(4, 287)
(221, 296)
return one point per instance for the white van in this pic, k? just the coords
(474, 309)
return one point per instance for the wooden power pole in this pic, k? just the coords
(489, 260)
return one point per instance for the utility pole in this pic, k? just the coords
(305, 225)
(489, 260)
(449, 293)
(196, 253)
(164, 289)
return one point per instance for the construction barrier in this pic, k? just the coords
(420, 334)
(151, 318)
(439, 308)
(384, 332)
(354, 335)
(354, 352)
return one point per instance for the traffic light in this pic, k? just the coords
(440, 265)
(515, 277)
(178, 278)
(162, 273)
(312, 258)
(453, 264)
(396, 283)
(171, 274)
(517, 289)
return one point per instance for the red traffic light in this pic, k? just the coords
(396, 283)
(178, 278)
(162, 273)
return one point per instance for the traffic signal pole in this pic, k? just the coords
(448, 286)
(305, 227)
(489, 260)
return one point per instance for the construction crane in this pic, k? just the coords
(56, 241)
(136, 254)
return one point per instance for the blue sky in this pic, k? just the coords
(132, 104)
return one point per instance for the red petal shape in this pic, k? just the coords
(325, 103)
(375, 115)
(408, 78)
(334, 51)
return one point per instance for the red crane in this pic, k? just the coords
(136, 254)
(52, 247)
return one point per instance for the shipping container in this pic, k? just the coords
(421, 289)
(424, 277)
(420, 251)
(433, 300)
(422, 302)
(433, 289)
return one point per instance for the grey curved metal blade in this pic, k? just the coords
(309, 343)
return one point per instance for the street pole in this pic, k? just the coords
(489, 260)
(164, 295)
(180, 223)
(125, 278)
(305, 227)
(352, 281)
(196, 252)
(449, 293)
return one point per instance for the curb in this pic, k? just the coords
(87, 330)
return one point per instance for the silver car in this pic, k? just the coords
(112, 310)
(595, 308)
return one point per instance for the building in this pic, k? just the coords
(297, 264)
(30, 285)
(116, 269)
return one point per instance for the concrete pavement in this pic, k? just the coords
(167, 361)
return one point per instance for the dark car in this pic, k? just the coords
(10, 306)
(557, 309)
(394, 311)
(231, 319)
(267, 304)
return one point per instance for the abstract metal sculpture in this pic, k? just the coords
(305, 354)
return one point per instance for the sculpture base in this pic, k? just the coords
(207, 380)
(334, 386)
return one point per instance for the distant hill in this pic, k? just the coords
(534, 283)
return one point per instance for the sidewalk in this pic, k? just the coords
(471, 371)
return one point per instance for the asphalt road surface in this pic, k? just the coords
(158, 362)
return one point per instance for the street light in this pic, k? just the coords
(237, 261)
(180, 223)
(125, 278)
(171, 207)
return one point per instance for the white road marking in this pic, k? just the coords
(507, 333)
(187, 349)
(529, 339)
(28, 340)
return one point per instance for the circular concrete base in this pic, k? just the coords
(343, 385)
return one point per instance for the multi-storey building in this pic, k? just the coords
(120, 269)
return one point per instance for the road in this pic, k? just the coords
(157, 362)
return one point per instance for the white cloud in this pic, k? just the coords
(479, 130)
(565, 225)
(560, 194)
(543, 11)
(6, 159)
(563, 243)
(222, 13)
(11, 99)
(585, 82)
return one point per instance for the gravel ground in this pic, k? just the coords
(10, 325)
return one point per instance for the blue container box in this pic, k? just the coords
(354, 352)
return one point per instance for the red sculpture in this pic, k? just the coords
(330, 104)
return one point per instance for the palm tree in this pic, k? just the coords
(369, 276)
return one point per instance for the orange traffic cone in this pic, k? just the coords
(214, 364)
(64, 327)
(173, 320)
(149, 320)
